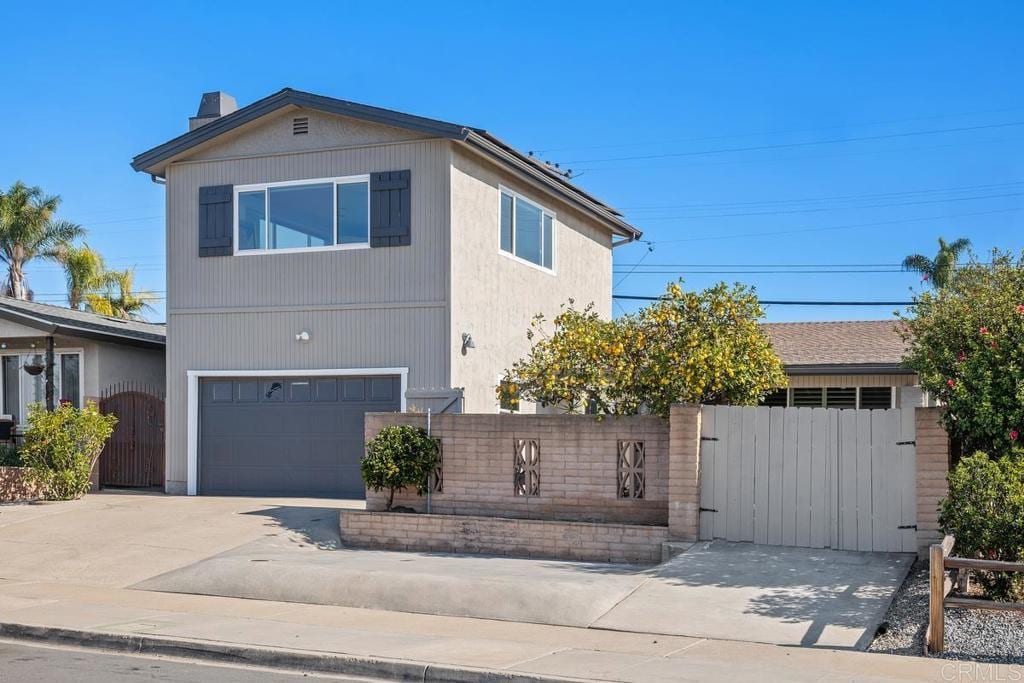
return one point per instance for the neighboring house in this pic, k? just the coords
(91, 353)
(843, 364)
(327, 258)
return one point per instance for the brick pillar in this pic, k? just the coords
(932, 467)
(684, 472)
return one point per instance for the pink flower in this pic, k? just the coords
(951, 383)
(1020, 308)
(983, 330)
(961, 356)
(1013, 435)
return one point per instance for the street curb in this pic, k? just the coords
(270, 658)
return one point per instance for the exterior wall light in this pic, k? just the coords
(467, 342)
(303, 336)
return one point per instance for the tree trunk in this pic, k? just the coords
(391, 499)
(17, 278)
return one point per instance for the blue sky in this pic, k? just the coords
(734, 134)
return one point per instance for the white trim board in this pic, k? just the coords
(192, 483)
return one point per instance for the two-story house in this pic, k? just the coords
(327, 258)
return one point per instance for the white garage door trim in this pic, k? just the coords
(193, 400)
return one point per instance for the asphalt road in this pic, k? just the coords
(45, 664)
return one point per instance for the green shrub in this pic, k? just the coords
(985, 512)
(10, 456)
(966, 343)
(62, 446)
(400, 456)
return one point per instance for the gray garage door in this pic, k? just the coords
(298, 436)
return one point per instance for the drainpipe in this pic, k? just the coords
(49, 374)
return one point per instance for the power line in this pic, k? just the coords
(791, 145)
(763, 272)
(958, 188)
(780, 132)
(767, 302)
(835, 208)
(838, 227)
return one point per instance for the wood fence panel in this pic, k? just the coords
(762, 477)
(809, 477)
(776, 427)
(708, 460)
(134, 454)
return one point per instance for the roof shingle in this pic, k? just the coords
(839, 343)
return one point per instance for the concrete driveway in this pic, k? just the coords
(119, 539)
(734, 591)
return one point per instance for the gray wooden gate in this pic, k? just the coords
(809, 477)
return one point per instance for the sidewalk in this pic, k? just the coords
(395, 644)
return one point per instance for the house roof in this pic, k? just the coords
(841, 347)
(154, 161)
(50, 319)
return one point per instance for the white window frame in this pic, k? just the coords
(544, 212)
(57, 353)
(264, 187)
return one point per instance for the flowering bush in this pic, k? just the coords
(985, 512)
(693, 347)
(966, 343)
(61, 447)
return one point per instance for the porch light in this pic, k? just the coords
(467, 342)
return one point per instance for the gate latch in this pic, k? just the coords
(709, 438)
(906, 443)
(708, 510)
(907, 526)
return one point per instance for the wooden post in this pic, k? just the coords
(49, 374)
(936, 596)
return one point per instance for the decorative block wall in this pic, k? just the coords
(932, 444)
(578, 465)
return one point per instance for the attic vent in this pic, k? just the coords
(300, 125)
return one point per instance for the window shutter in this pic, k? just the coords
(390, 214)
(216, 215)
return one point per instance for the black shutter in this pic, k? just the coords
(390, 214)
(216, 218)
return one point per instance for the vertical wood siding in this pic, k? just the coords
(384, 307)
(809, 477)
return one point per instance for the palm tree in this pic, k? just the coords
(28, 230)
(939, 270)
(84, 271)
(118, 299)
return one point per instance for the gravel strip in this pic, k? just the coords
(978, 635)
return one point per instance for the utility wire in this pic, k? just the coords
(848, 226)
(791, 145)
(780, 132)
(771, 302)
(872, 195)
(833, 208)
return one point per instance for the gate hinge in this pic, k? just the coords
(907, 526)
(708, 510)
(906, 443)
(709, 438)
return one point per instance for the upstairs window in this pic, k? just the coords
(527, 230)
(297, 216)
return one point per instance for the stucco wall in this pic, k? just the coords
(103, 363)
(494, 297)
